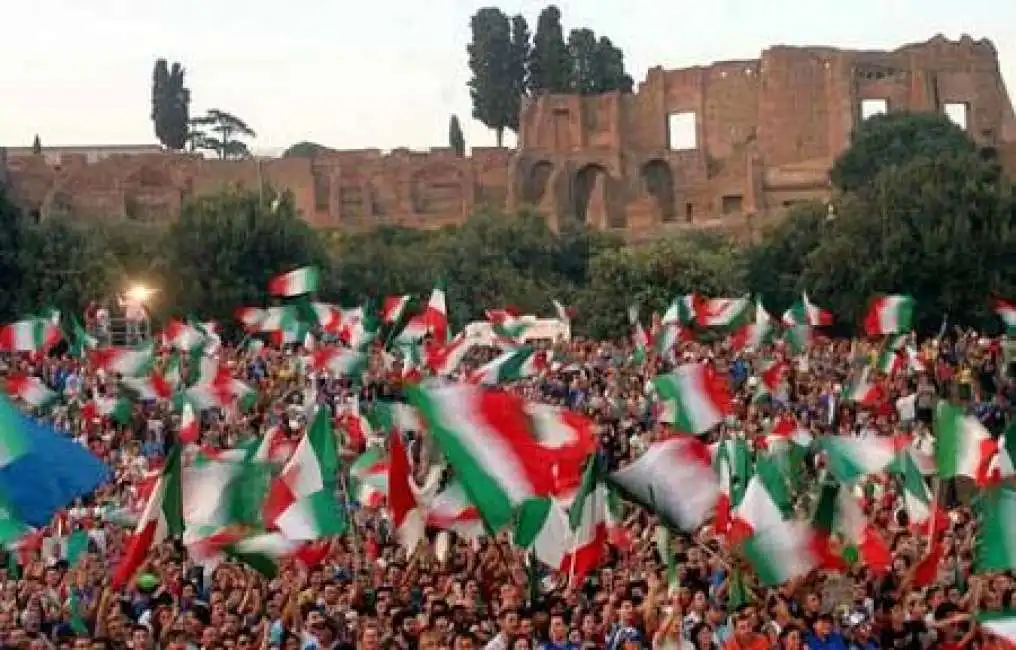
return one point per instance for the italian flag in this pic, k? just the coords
(328, 317)
(488, 440)
(996, 537)
(861, 390)
(267, 552)
(851, 459)
(698, 394)
(369, 478)
(755, 334)
(1006, 310)
(892, 357)
(301, 501)
(433, 320)
(682, 310)
(407, 515)
(963, 447)
(589, 520)
(30, 390)
(1000, 624)
(295, 283)
(777, 549)
(147, 389)
(29, 335)
(725, 314)
(127, 362)
(542, 527)
(889, 315)
(787, 430)
(570, 436)
(770, 374)
(451, 510)
(444, 358)
(161, 518)
(918, 500)
(673, 478)
(182, 336)
(732, 463)
(513, 365)
(339, 362)
(190, 427)
(1003, 466)
(394, 308)
(805, 312)
(838, 512)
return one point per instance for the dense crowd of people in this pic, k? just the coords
(366, 592)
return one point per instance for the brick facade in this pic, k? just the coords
(755, 137)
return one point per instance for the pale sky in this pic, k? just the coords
(385, 73)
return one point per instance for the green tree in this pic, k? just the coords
(652, 276)
(305, 150)
(227, 134)
(608, 67)
(893, 139)
(456, 140)
(550, 66)
(37, 145)
(225, 248)
(775, 264)
(582, 52)
(170, 105)
(941, 229)
(11, 226)
(518, 69)
(491, 87)
(64, 264)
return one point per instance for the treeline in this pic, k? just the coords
(921, 210)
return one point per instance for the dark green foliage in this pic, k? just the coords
(170, 105)
(491, 87)
(305, 150)
(893, 139)
(550, 64)
(225, 248)
(221, 133)
(10, 245)
(456, 140)
(37, 145)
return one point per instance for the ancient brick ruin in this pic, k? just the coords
(727, 146)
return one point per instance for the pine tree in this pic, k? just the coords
(549, 61)
(456, 140)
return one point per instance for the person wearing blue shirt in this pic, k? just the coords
(822, 636)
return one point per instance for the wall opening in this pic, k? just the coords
(659, 184)
(732, 204)
(681, 131)
(873, 107)
(689, 212)
(957, 113)
(585, 184)
(536, 182)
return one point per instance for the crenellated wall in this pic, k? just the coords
(763, 134)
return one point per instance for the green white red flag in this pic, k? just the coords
(295, 283)
(889, 315)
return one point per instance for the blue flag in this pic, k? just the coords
(41, 470)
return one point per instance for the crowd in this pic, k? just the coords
(365, 591)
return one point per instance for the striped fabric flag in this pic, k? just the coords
(698, 394)
(889, 315)
(963, 447)
(295, 283)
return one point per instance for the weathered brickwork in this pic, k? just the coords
(727, 146)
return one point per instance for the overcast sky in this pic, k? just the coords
(384, 73)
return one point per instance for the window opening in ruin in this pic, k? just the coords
(689, 212)
(873, 107)
(681, 131)
(732, 204)
(957, 113)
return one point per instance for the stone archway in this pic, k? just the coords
(658, 181)
(535, 183)
(587, 180)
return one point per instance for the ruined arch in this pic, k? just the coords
(586, 180)
(536, 181)
(658, 181)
